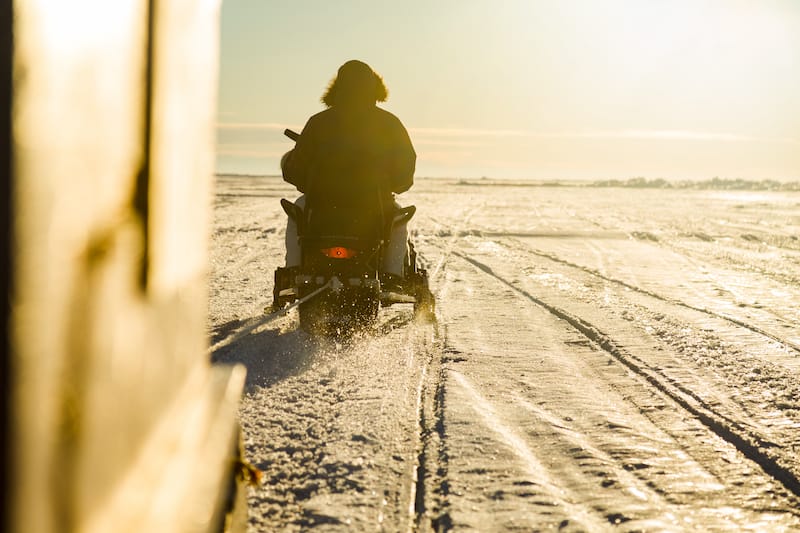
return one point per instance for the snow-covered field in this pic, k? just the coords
(605, 358)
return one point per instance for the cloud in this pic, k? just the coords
(250, 150)
(444, 157)
(664, 135)
(250, 154)
(449, 136)
(684, 135)
(467, 132)
(459, 144)
(254, 126)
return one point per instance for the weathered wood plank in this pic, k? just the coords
(119, 422)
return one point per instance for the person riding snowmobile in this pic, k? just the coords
(352, 152)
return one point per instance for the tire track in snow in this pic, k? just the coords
(452, 238)
(429, 475)
(755, 329)
(556, 492)
(746, 442)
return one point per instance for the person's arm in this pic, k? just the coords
(295, 162)
(403, 159)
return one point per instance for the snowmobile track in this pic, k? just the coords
(755, 329)
(748, 444)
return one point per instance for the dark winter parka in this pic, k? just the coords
(353, 148)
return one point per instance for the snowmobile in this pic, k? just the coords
(338, 286)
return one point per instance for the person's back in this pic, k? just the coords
(352, 151)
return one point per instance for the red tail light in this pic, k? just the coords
(339, 252)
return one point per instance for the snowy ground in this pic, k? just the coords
(604, 359)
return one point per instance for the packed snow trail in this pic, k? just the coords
(604, 359)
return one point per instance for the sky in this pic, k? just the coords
(529, 89)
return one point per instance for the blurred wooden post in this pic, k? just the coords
(6, 165)
(118, 421)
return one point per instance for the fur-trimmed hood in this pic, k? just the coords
(355, 82)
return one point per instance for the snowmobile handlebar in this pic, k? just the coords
(293, 135)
